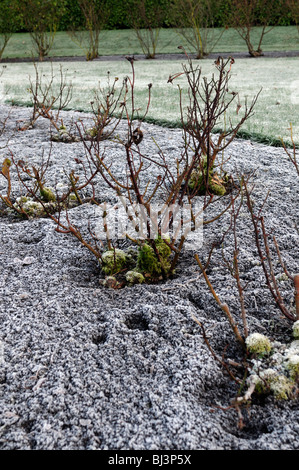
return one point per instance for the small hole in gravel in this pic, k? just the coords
(251, 430)
(137, 322)
(101, 338)
(28, 425)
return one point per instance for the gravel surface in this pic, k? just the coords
(87, 367)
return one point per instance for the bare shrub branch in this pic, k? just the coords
(293, 7)
(7, 23)
(150, 179)
(243, 16)
(262, 239)
(171, 185)
(106, 110)
(208, 102)
(291, 153)
(41, 19)
(146, 19)
(193, 20)
(96, 14)
(49, 97)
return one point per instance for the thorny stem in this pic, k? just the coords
(221, 361)
(207, 103)
(223, 307)
(292, 158)
(269, 272)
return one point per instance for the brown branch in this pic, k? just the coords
(223, 307)
(217, 358)
(266, 260)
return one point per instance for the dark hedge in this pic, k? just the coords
(118, 13)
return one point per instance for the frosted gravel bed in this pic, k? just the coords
(83, 367)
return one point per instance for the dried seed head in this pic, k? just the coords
(137, 136)
(130, 59)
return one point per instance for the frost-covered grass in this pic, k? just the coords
(277, 105)
(124, 42)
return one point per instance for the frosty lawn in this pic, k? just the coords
(124, 41)
(276, 108)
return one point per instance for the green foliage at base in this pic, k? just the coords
(274, 367)
(134, 277)
(31, 207)
(47, 194)
(147, 261)
(197, 181)
(113, 261)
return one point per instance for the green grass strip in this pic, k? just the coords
(123, 42)
(276, 107)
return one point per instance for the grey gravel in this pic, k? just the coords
(87, 367)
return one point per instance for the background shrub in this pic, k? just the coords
(119, 10)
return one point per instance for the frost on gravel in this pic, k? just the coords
(84, 367)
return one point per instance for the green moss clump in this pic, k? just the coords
(31, 207)
(113, 261)
(147, 261)
(270, 381)
(293, 366)
(281, 387)
(64, 136)
(111, 282)
(296, 329)
(216, 187)
(197, 181)
(134, 277)
(258, 344)
(47, 194)
(276, 370)
(92, 131)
